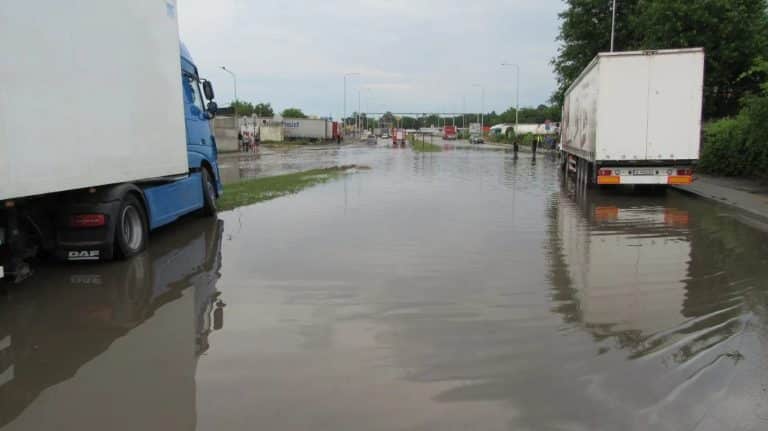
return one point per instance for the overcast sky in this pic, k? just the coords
(412, 55)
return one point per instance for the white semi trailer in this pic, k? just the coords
(635, 118)
(308, 128)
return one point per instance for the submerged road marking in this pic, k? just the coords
(6, 376)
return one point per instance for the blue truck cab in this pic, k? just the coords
(201, 144)
(114, 221)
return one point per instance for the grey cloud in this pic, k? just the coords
(414, 55)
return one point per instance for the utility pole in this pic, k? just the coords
(613, 23)
(345, 96)
(517, 91)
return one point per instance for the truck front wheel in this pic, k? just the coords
(131, 231)
(209, 195)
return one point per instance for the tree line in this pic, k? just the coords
(263, 110)
(537, 115)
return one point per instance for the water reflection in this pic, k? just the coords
(675, 286)
(113, 344)
(619, 265)
(468, 289)
(652, 276)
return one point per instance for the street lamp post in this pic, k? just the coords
(367, 107)
(517, 91)
(613, 23)
(345, 95)
(482, 103)
(234, 80)
(358, 110)
(463, 109)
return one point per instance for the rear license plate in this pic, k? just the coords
(643, 172)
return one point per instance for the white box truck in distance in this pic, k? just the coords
(635, 118)
(104, 131)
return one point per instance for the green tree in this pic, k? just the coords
(585, 30)
(244, 109)
(733, 33)
(293, 113)
(738, 145)
(263, 110)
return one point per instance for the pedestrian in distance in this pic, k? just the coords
(548, 143)
(533, 145)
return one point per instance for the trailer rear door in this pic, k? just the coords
(623, 108)
(674, 105)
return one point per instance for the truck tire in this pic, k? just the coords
(131, 233)
(209, 195)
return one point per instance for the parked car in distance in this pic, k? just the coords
(475, 133)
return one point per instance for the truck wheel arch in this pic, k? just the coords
(118, 193)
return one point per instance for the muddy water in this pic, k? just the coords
(459, 290)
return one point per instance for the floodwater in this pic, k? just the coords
(439, 291)
(268, 161)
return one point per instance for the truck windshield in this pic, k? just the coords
(192, 96)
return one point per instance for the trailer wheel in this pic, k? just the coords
(209, 195)
(131, 233)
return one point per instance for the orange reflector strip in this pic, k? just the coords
(606, 213)
(675, 217)
(679, 179)
(614, 179)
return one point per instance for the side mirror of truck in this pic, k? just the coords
(211, 109)
(208, 90)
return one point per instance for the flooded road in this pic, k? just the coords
(458, 290)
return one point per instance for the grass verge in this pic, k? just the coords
(421, 146)
(262, 189)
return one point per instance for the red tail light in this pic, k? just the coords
(604, 173)
(685, 172)
(87, 220)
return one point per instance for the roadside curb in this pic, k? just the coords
(754, 217)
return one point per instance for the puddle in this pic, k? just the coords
(456, 290)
